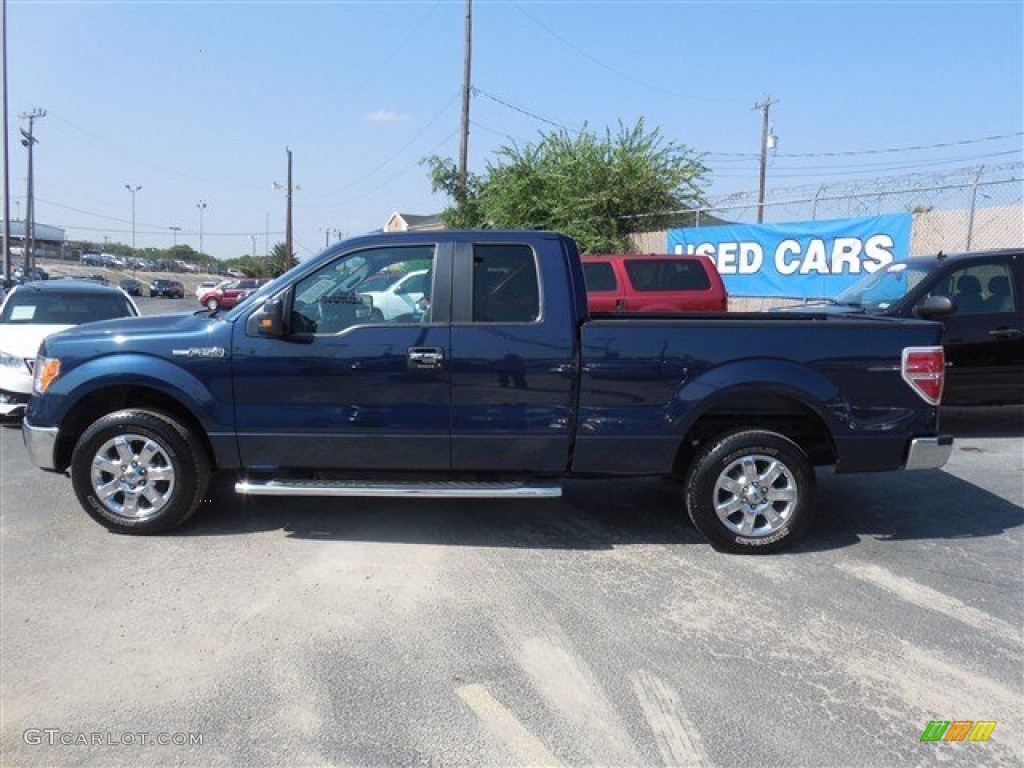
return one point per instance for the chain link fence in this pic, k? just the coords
(967, 209)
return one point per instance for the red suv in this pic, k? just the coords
(625, 282)
(230, 292)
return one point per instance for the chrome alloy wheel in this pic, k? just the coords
(755, 495)
(132, 476)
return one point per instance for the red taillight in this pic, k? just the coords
(924, 369)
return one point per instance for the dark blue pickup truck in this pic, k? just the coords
(495, 383)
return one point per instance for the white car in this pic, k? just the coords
(206, 286)
(397, 295)
(33, 311)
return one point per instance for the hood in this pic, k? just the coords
(822, 308)
(24, 340)
(133, 327)
(157, 335)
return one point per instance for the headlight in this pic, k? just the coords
(11, 361)
(47, 369)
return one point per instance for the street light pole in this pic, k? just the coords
(175, 230)
(29, 140)
(201, 205)
(133, 190)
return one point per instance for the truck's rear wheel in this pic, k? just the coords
(750, 492)
(138, 471)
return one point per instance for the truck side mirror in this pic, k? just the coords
(934, 306)
(270, 318)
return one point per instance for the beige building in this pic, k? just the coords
(412, 222)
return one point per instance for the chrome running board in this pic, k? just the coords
(422, 490)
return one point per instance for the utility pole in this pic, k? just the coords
(288, 219)
(133, 190)
(175, 230)
(29, 140)
(764, 106)
(201, 205)
(466, 90)
(7, 159)
(288, 213)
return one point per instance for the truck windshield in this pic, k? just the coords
(880, 290)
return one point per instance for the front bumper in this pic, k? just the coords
(929, 452)
(12, 403)
(40, 442)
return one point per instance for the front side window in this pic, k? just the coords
(355, 290)
(979, 289)
(505, 285)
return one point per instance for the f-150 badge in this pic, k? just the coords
(199, 352)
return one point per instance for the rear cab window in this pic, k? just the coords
(506, 288)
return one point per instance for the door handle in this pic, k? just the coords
(421, 358)
(1005, 333)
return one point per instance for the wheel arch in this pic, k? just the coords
(110, 399)
(770, 407)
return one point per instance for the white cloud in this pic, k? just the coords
(387, 116)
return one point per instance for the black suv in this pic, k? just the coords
(172, 289)
(977, 297)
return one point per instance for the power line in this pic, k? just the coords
(594, 60)
(380, 166)
(521, 110)
(856, 152)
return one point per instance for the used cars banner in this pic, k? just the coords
(804, 259)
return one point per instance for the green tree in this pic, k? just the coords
(280, 260)
(597, 188)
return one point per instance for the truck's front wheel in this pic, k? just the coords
(750, 492)
(139, 471)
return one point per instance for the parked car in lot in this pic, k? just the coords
(206, 286)
(36, 273)
(227, 294)
(982, 293)
(395, 294)
(131, 286)
(98, 278)
(33, 311)
(626, 282)
(172, 289)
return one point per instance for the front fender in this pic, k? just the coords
(205, 390)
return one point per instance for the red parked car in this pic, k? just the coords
(229, 293)
(626, 282)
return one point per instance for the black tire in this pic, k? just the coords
(212, 305)
(154, 443)
(740, 515)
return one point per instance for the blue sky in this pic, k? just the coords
(198, 100)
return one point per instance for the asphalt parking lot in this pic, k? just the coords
(598, 629)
